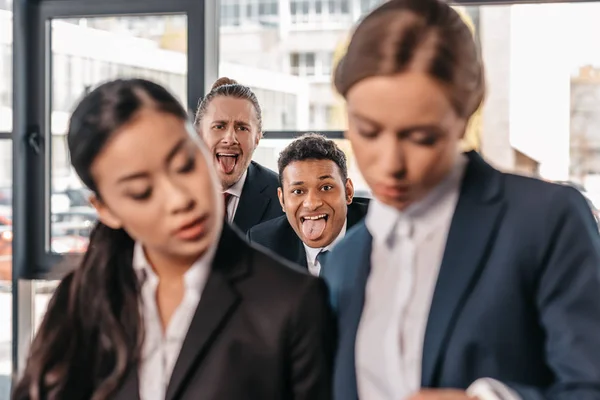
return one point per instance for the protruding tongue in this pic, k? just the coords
(313, 228)
(227, 163)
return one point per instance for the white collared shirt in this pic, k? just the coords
(314, 267)
(161, 348)
(406, 255)
(236, 192)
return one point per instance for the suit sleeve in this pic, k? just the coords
(312, 345)
(249, 235)
(568, 300)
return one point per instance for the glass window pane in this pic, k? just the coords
(289, 66)
(5, 66)
(318, 6)
(86, 52)
(541, 116)
(292, 59)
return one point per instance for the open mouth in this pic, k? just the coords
(313, 226)
(227, 161)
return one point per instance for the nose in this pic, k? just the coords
(178, 198)
(392, 157)
(230, 135)
(312, 201)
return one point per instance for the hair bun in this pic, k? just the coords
(222, 82)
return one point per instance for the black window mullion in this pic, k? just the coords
(32, 258)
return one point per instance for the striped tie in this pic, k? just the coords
(226, 197)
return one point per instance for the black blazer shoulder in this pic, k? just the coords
(278, 237)
(258, 201)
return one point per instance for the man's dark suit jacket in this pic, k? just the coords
(278, 236)
(517, 298)
(258, 201)
(262, 330)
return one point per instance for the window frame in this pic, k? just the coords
(32, 74)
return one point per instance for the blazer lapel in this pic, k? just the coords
(130, 388)
(472, 230)
(253, 202)
(300, 256)
(218, 302)
(287, 244)
(347, 279)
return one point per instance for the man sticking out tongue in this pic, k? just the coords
(318, 199)
(229, 121)
(227, 162)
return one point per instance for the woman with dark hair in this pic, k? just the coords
(169, 302)
(462, 280)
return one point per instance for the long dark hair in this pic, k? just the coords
(423, 35)
(92, 332)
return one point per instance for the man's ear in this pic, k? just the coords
(280, 195)
(258, 137)
(105, 215)
(349, 191)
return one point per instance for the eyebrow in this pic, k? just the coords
(321, 178)
(424, 127)
(238, 122)
(405, 131)
(139, 175)
(366, 119)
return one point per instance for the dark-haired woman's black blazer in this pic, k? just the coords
(261, 331)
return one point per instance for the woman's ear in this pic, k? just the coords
(259, 136)
(105, 215)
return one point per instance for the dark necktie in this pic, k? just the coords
(226, 197)
(322, 260)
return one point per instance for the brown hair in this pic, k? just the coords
(421, 35)
(228, 88)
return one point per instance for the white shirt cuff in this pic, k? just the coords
(491, 389)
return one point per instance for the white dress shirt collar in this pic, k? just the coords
(194, 278)
(162, 345)
(312, 252)
(236, 188)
